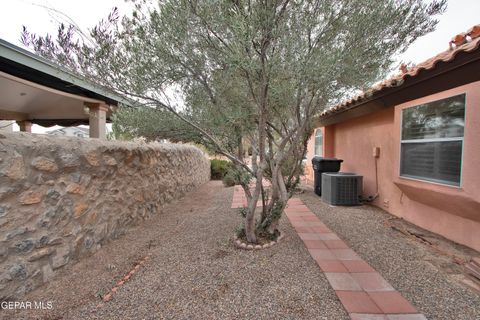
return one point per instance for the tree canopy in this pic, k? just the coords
(251, 70)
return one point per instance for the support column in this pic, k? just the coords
(25, 126)
(97, 120)
(329, 141)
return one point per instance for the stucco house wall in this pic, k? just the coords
(453, 212)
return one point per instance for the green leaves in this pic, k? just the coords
(252, 74)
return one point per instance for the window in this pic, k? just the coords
(318, 143)
(432, 141)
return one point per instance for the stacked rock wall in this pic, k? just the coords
(62, 198)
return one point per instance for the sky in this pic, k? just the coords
(34, 14)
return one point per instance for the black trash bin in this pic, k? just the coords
(321, 165)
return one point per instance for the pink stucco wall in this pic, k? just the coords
(453, 212)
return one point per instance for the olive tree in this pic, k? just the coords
(247, 70)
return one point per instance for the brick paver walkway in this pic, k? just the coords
(364, 293)
(239, 198)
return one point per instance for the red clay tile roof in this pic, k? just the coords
(464, 42)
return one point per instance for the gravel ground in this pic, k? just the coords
(423, 276)
(194, 272)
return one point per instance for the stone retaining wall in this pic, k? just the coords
(62, 198)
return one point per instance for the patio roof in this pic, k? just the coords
(36, 90)
(463, 51)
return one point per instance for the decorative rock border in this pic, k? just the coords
(245, 246)
(107, 297)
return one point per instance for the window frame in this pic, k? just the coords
(315, 143)
(449, 139)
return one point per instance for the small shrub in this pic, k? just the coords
(243, 212)
(240, 232)
(229, 180)
(235, 176)
(219, 168)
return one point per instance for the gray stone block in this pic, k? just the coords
(24, 245)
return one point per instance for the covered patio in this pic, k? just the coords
(36, 91)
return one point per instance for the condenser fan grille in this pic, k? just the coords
(343, 189)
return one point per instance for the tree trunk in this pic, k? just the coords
(240, 148)
(252, 205)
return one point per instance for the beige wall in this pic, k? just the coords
(62, 198)
(453, 212)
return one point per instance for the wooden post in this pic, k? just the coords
(25, 126)
(97, 120)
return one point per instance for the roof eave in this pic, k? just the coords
(388, 97)
(30, 60)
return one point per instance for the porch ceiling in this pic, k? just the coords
(35, 89)
(24, 100)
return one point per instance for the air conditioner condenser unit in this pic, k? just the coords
(342, 188)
